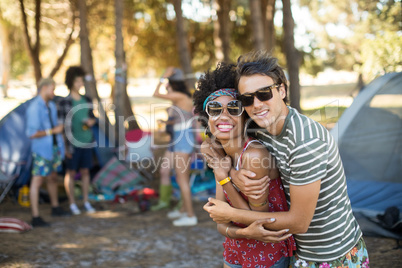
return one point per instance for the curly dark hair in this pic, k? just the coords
(261, 62)
(224, 76)
(179, 86)
(72, 73)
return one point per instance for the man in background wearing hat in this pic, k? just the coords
(47, 149)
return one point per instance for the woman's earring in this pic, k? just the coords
(207, 132)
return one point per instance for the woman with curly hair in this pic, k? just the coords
(225, 121)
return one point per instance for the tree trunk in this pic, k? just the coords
(268, 13)
(222, 30)
(86, 53)
(217, 34)
(123, 109)
(360, 82)
(33, 49)
(120, 75)
(182, 45)
(257, 25)
(5, 58)
(70, 40)
(87, 65)
(292, 55)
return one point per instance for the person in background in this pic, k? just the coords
(183, 140)
(75, 111)
(165, 186)
(47, 149)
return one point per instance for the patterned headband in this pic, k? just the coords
(231, 92)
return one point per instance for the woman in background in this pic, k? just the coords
(182, 143)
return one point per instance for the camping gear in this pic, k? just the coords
(117, 182)
(115, 177)
(141, 196)
(13, 225)
(7, 181)
(138, 153)
(15, 149)
(369, 136)
(15, 152)
(23, 196)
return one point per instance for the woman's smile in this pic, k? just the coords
(224, 127)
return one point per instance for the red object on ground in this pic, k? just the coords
(136, 135)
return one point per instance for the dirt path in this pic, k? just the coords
(120, 236)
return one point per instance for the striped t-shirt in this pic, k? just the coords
(306, 152)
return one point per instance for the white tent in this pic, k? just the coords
(369, 136)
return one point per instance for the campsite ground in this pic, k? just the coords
(118, 235)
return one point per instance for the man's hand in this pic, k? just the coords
(58, 129)
(257, 231)
(68, 155)
(250, 187)
(90, 122)
(218, 210)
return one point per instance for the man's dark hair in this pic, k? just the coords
(72, 73)
(263, 63)
(179, 86)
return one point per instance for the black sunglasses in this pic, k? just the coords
(262, 94)
(215, 108)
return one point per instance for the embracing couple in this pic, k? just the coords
(281, 198)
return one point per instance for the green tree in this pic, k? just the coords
(292, 55)
(257, 24)
(382, 54)
(33, 44)
(268, 14)
(353, 33)
(222, 29)
(121, 99)
(5, 56)
(87, 64)
(182, 44)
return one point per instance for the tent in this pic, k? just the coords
(16, 158)
(15, 145)
(369, 136)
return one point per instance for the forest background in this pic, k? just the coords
(124, 45)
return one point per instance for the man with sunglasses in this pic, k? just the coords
(320, 215)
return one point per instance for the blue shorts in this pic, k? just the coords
(183, 141)
(82, 158)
